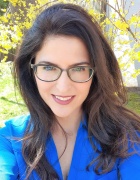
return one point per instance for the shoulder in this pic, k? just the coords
(130, 166)
(10, 147)
(126, 169)
(15, 126)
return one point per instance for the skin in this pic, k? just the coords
(64, 51)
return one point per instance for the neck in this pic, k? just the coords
(69, 124)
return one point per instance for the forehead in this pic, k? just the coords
(63, 50)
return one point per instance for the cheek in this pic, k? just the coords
(42, 86)
(84, 89)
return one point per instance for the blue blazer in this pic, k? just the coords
(13, 166)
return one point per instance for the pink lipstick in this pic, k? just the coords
(63, 100)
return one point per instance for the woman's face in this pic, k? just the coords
(63, 96)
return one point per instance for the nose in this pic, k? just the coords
(63, 84)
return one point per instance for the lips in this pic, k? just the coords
(63, 100)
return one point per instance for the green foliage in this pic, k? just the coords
(3, 6)
(134, 101)
(11, 103)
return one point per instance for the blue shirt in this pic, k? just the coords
(13, 166)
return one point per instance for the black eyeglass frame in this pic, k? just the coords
(34, 67)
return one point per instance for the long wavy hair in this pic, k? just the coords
(109, 122)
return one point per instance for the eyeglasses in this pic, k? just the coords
(50, 73)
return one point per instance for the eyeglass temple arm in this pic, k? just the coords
(32, 66)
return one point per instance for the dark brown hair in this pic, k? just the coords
(109, 122)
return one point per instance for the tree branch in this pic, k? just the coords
(123, 19)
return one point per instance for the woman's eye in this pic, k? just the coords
(49, 68)
(79, 68)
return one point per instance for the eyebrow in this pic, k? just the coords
(75, 64)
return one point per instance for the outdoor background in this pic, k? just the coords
(120, 23)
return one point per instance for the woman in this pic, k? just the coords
(71, 83)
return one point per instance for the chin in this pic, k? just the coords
(64, 113)
(61, 115)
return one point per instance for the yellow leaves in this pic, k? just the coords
(137, 72)
(5, 42)
(42, 2)
(38, 1)
(8, 16)
(13, 2)
(3, 51)
(121, 64)
(91, 12)
(7, 46)
(27, 24)
(19, 33)
(121, 25)
(135, 20)
(16, 33)
(23, 4)
(3, 19)
(113, 15)
(132, 3)
(12, 25)
(87, 1)
(3, 10)
(107, 21)
(4, 36)
(97, 16)
(138, 56)
(10, 37)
